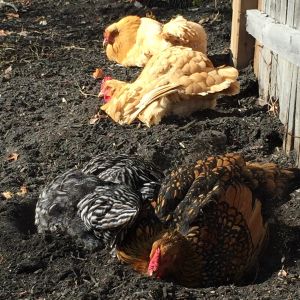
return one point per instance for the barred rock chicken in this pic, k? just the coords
(3, 4)
(132, 41)
(108, 181)
(177, 81)
(216, 229)
(141, 175)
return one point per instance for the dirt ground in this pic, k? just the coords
(47, 99)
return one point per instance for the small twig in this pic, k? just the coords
(83, 93)
(188, 124)
(73, 47)
(87, 94)
(118, 286)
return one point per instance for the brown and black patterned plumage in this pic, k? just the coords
(215, 227)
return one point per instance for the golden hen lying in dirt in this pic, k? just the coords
(177, 81)
(132, 41)
(207, 227)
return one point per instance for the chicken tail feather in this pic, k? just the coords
(178, 29)
(273, 181)
(233, 89)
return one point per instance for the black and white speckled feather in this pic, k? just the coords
(56, 208)
(103, 199)
(109, 211)
(142, 176)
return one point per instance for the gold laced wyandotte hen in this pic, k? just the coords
(132, 41)
(208, 227)
(178, 81)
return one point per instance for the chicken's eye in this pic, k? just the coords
(110, 36)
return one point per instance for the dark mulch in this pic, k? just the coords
(46, 104)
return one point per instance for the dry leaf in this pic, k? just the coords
(282, 273)
(204, 20)
(25, 2)
(23, 33)
(94, 119)
(11, 16)
(98, 73)
(43, 22)
(13, 156)
(7, 195)
(97, 117)
(23, 191)
(4, 32)
(8, 73)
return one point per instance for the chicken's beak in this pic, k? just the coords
(101, 94)
(153, 274)
(104, 43)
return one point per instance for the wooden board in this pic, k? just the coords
(280, 38)
(242, 44)
(277, 64)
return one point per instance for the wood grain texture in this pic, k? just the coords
(277, 62)
(242, 44)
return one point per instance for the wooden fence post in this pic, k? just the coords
(242, 43)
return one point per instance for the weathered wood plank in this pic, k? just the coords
(258, 45)
(290, 12)
(286, 76)
(291, 98)
(297, 15)
(278, 10)
(264, 63)
(264, 78)
(272, 12)
(267, 6)
(297, 118)
(282, 68)
(283, 11)
(260, 4)
(242, 44)
(280, 38)
(274, 79)
(277, 63)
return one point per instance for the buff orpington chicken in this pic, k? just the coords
(208, 227)
(107, 180)
(132, 41)
(178, 81)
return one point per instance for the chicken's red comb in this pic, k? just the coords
(154, 262)
(102, 85)
(104, 89)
